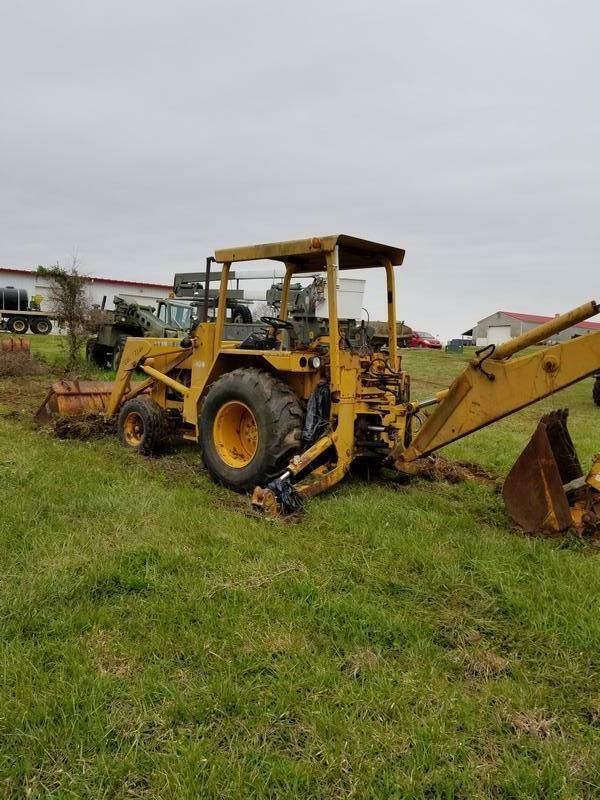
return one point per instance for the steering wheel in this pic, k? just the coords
(277, 324)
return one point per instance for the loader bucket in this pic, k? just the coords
(74, 398)
(11, 344)
(536, 489)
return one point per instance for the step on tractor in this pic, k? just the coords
(287, 412)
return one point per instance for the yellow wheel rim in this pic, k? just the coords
(235, 434)
(133, 428)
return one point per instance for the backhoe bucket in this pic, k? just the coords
(74, 398)
(546, 490)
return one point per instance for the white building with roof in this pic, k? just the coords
(100, 290)
(504, 325)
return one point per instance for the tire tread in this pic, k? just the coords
(155, 421)
(285, 409)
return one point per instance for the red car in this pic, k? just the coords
(424, 339)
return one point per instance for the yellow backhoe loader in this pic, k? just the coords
(285, 413)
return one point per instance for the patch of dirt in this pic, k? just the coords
(359, 663)
(15, 364)
(438, 468)
(482, 663)
(92, 425)
(107, 660)
(256, 581)
(592, 712)
(535, 723)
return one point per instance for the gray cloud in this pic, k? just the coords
(146, 134)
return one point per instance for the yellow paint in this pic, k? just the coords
(235, 434)
(133, 429)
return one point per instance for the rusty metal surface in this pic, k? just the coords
(74, 398)
(593, 477)
(264, 500)
(534, 490)
(13, 344)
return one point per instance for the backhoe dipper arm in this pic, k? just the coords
(494, 385)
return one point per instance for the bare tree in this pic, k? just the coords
(71, 305)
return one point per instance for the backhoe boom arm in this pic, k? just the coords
(490, 389)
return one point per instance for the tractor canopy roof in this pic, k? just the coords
(308, 255)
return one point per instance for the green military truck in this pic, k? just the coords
(167, 319)
(170, 318)
(129, 318)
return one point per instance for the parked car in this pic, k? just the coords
(424, 339)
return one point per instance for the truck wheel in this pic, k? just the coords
(142, 426)
(95, 354)
(596, 391)
(250, 426)
(241, 314)
(41, 326)
(17, 325)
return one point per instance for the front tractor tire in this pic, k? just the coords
(250, 426)
(596, 391)
(142, 426)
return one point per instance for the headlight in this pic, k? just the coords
(314, 362)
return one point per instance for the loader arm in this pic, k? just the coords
(134, 354)
(491, 388)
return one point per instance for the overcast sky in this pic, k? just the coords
(147, 134)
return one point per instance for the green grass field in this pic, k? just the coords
(400, 641)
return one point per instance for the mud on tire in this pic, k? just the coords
(143, 426)
(278, 417)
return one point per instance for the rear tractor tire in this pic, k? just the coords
(250, 426)
(143, 426)
(596, 391)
